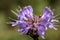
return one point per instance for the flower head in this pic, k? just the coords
(28, 21)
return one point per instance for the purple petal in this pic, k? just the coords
(28, 10)
(21, 15)
(26, 30)
(41, 30)
(52, 26)
(47, 17)
(22, 25)
(14, 23)
(47, 14)
(23, 28)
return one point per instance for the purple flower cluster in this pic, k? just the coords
(27, 20)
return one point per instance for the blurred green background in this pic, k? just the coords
(7, 32)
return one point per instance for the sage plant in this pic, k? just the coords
(34, 25)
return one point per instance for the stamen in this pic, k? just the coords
(43, 37)
(56, 15)
(14, 13)
(19, 7)
(54, 20)
(12, 19)
(9, 22)
(55, 28)
(17, 10)
(13, 23)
